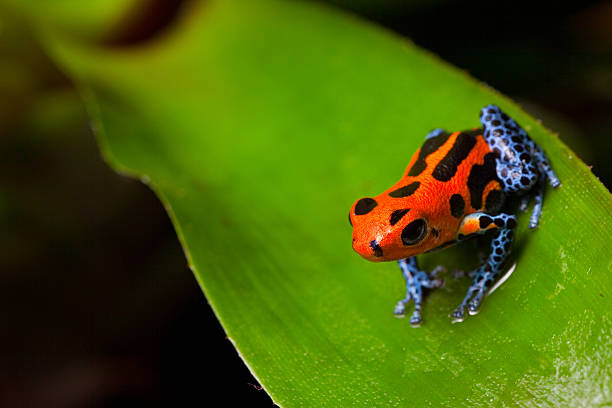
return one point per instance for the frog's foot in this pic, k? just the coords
(537, 206)
(416, 281)
(436, 271)
(545, 168)
(483, 278)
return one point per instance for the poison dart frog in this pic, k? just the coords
(455, 188)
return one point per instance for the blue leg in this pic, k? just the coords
(416, 281)
(483, 276)
(520, 162)
(537, 206)
(545, 168)
(434, 133)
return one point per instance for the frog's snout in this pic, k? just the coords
(370, 250)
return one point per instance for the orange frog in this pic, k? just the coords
(454, 188)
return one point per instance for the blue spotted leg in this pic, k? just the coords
(416, 281)
(502, 226)
(537, 206)
(520, 163)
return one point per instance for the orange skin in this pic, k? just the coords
(429, 202)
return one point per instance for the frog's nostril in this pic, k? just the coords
(378, 252)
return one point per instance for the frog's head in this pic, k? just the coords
(389, 229)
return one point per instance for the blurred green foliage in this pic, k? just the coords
(89, 20)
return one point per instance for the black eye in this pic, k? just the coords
(414, 232)
(365, 205)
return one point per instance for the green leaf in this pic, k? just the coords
(258, 124)
(92, 19)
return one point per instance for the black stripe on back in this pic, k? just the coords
(494, 201)
(406, 190)
(480, 176)
(447, 167)
(457, 205)
(430, 146)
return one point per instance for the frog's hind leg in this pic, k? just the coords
(537, 206)
(479, 223)
(544, 166)
(520, 163)
(416, 281)
(516, 168)
(546, 172)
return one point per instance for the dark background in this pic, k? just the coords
(98, 307)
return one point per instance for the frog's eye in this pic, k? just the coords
(414, 232)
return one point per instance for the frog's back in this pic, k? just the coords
(450, 177)
(455, 172)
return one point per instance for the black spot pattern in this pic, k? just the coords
(447, 167)
(398, 215)
(480, 176)
(457, 205)
(485, 221)
(405, 191)
(350, 222)
(494, 201)
(365, 205)
(430, 146)
(511, 223)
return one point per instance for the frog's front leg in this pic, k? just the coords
(479, 223)
(416, 280)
